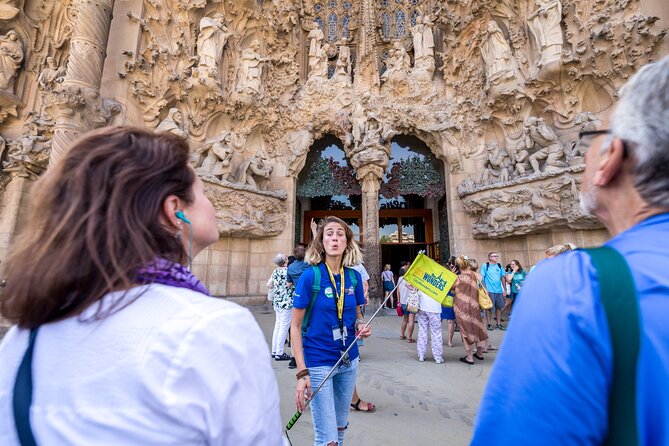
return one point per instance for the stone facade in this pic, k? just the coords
(497, 89)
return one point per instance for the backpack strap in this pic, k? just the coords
(23, 394)
(619, 299)
(315, 289)
(352, 278)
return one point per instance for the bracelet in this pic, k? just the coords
(302, 374)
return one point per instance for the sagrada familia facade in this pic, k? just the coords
(449, 126)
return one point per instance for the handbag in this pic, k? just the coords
(413, 303)
(484, 298)
(399, 310)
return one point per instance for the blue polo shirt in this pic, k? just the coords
(320, 347)
(551, 380)
(492, 277)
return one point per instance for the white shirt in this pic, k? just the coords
(428, 304)
(174, 367)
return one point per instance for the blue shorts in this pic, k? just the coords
(497, 300)
(387, 285)
(406, 312)
(512, 295)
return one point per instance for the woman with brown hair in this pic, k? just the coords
(116, 340)
(329, 295)
(468, 312)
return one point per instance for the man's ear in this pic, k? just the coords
(171, 205)
(610, 163)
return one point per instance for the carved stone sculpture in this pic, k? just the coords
(249, 79)
(11, 57)
(423, 44)
(497, 166)
(398, 66)
(343, 67)
(211, 40)
(218, 153)
(173, 123)
(586, 122)
(359, 118)
(538, 133)
(50, 75)
(496, 53)
(318, 59)
(544, 23)
(255, 172)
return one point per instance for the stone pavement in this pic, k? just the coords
(417, 403)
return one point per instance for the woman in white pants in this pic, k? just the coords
(282, 300)
(429, 319)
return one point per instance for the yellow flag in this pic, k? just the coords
(431, 278)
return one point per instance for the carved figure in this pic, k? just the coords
(255, 172)
(523, 212)
(496, 54)
(250, 70)
(519, 156)
(50, 75)
(359, 118)
(211, 40)
(318, 59)
(299, 142)
(587, 121)
(11, 57)
(398, 65)
(423, 41)
(544, 23)
(538, 133)
(498, 166)
(343, 66)
(219, 153)
(173, 123)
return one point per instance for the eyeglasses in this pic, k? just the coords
(591, 133)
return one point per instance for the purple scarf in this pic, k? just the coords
(170, 273)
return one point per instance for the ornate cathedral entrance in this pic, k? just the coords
(407, 202)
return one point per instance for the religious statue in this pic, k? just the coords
(544, 23)
(398, 65)
(299, 141)
(318, 59)
(11, 57)
(211, 40)
(219, 152)
(343, 67)
(497, 166)
(250, 70)
(423, 46)
(359, 118)
(586, 121)
(538, 133)
(173, 123)
(255, 172)
(496, 53)
(50, 75)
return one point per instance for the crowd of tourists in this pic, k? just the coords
(115, 341)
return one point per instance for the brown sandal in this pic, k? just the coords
(411, 340)
(402, 337)
(370, 407)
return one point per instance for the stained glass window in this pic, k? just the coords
(332, 4)
(385, 24)
(318, 7)
(319, 20)
(332, 27)
(384, 3)
(414, 16)
(400, 23)
(347, 5)
(344, 27)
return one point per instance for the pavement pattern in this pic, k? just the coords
(417, 403)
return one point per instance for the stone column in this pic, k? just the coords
(78, 107)
(370, 178)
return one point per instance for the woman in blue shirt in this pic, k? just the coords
(334, 291)
(515, 278)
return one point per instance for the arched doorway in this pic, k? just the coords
(409, 202)
(327, 186)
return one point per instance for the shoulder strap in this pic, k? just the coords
(23, 394)
(618, 296)
(315, 288)
(352, 277)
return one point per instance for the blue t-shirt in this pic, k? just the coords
(556, 359)
(320, 347)
(295, 270)
(492, 277)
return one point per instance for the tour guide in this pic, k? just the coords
(333, 315)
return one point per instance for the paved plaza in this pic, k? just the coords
(417, 403)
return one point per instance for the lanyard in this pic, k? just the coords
(339, 299)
